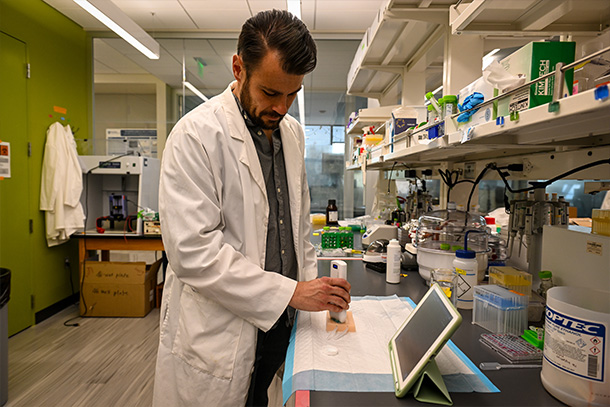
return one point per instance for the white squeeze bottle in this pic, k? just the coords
(392, 274)
(466, 267)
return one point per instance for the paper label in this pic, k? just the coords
(574, 345)
(333, 216)
(594, 248)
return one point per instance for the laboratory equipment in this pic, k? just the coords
(447, 279)
(546, 282)
(576, 350)
(511, 279)
(512, 347)
(440, 233)
(392, 274)
(577, 257)
(528, 216)
(375, 256)
(466, 268)
(498, 366)
(136, 141)
(332, 213)
(378, 232)
(499, 310)
(118, 185)
(338, 269)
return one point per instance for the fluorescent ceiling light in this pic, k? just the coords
(294, 7)
(195, 90)
(114, 18)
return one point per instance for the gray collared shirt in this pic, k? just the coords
(280, 256)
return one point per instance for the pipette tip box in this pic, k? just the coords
(500, 310)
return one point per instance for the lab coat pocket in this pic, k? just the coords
(208, 335)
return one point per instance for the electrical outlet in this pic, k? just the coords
(469, 169)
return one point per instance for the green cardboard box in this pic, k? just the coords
(534, 60)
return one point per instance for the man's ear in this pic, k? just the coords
(239, 71)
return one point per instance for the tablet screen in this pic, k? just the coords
(424, 328)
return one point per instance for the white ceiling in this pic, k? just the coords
(207, 30)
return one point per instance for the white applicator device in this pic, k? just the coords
(338, 269)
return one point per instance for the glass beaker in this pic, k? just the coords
(447, 279)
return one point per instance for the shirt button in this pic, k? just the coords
(281, 222)
(283, 251)
(279, 190)
(259, 133)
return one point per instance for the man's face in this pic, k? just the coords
(266, 92)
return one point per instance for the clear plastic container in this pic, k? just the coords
(511, 279)
(499, 310)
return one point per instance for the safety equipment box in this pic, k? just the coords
(118, 289)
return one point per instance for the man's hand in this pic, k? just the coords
(322, 294)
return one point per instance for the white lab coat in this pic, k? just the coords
(61, 185)
(214, 214)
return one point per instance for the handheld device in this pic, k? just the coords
(338, 269)
(421, 337)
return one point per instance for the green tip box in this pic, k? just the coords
(534, 60)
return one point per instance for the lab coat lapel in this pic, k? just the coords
(293, 158)
(239, 131)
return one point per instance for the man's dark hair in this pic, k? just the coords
(277, 30)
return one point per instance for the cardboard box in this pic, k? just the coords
(534, 60)
(484, 114)
(117, 289)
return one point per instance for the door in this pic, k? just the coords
(15, 250)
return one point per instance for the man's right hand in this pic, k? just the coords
(322, 294)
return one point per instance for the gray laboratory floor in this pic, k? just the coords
(102, 362)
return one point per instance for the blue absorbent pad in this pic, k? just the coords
(359, 362)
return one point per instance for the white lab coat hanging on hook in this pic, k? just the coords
(61, 185)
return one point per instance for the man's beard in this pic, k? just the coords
(246, 102)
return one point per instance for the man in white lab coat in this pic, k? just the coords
(234, 208)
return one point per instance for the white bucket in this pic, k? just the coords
(575, 365)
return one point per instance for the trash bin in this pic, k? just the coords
(5, 294)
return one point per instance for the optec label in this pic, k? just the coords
(574, 345)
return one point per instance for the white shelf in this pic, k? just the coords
(527, 17)
(400, 36)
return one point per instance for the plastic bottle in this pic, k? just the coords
(546, 282)
(466, 266)
(450, 105)
(491, 222)
(392, 274)
(332, 213)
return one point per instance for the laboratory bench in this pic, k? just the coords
(518, 387)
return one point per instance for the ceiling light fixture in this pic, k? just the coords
(115, 19)
(195, 90)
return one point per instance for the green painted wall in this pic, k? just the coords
(60, 55)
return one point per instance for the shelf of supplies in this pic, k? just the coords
(373, 116)
(581, 122)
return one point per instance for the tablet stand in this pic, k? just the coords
(430, 387)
